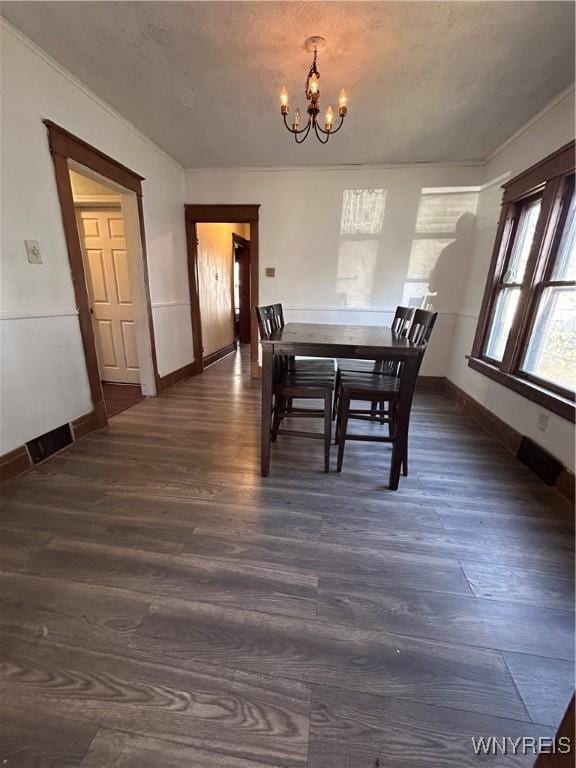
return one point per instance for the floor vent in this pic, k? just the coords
(45, 445)
(539, 461)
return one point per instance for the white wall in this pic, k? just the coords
(44, 381)
(348, 245)
(545, 134)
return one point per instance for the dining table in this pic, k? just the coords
(327, 340)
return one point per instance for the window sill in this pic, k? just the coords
(555, 403)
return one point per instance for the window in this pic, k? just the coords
(526, 336)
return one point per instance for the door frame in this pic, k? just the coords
(222, 214)
(67, 149)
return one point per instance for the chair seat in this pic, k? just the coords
(308, 379)
(378, 384)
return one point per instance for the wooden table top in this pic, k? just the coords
(370, 340)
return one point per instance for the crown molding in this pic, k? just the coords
(343, 167)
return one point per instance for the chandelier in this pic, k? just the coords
(312, 93)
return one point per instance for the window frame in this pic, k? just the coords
(552, 179)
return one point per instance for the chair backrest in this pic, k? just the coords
(422, 325)
(402, 318)
(279, 313)
(267, 320)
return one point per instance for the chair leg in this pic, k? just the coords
(336, 393)
(342, 427)
(327, 429)
(405, 457)
(382, 409)
(276, 418)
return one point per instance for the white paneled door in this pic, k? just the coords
(108, 275)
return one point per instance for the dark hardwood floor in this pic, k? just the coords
(120, 397)
(163, 606)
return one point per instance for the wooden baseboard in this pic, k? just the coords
(86, 424)
(165, 382)
(431, 384)
(14, 463)
(504, 433)
(219, 354)
(18, 461)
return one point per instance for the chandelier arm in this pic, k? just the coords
(335, 130)
(318, 136)
(296, 133)
(340, 124)
(305, 131)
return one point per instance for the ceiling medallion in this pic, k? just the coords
(312, 93)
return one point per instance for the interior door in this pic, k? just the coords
(109, 287)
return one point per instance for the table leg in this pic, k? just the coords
(409, 375)
(266, 418)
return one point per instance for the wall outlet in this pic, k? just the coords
(542, 422)
(270, 271)
(33, 251)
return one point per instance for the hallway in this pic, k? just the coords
(163, 606)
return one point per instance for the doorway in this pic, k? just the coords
(107, 262)
(215, 280)
(218, 286)
(241, 256)
(101, 204)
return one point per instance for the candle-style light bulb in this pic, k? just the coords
(329, 119)
(283, 97)
(297, 118)
(343, 102)
(313, 84)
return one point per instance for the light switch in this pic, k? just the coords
(270, 272)
(33, 251)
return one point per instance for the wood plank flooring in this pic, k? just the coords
(163, 606)
(120, 397)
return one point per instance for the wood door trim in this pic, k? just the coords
(222, 214)
(64, 146)
(64, 143)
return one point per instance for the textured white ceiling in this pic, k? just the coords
(428, 81)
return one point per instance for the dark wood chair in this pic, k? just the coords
(296, 380)
(393, 390)
(317, 365)
(400, 325)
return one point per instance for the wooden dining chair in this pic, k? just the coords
(308, 364)
(394, 391)
(400, 325)
(298, 382)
